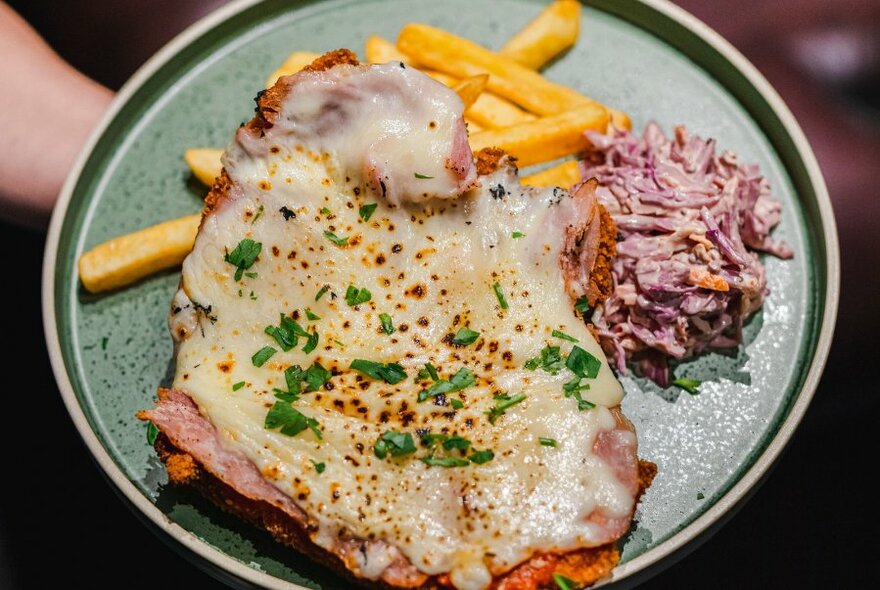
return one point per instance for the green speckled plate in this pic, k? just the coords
(648, 58)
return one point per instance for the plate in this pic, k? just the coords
(645, 57)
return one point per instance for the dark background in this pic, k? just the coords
(811, 522)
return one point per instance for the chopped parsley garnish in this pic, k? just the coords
(287, 214)
(582, 306)
(574, 386)
(312, 317)
(432, 461)
(584, 366)
(152, 433)
(343, 241)
(457, 404)
(547, 442)
(366, 211)
(573, 389)
(287, 333)
(563, 336)
(285, 396)
(480, 457)
(429, 371)
(389, 373)
(321, 292)
(251, 275)
(104, 342)
(253, 297)
(500, 295)
(293, 377)
(503, 401)
(456, 442)
(316, 376)
(394, 443)
(423, 177)
(311, 342)
(258, 215)
(564, 583)
(319, 467)
(465, 336)
(355, 296)
(689, 385)
(700, 496)
(517, 235)
(432, 440)
(261, 356)
(550, 360)
(290, 421)
(237, 386)
(582, 363)
(450, 444)
(462, 379)
(243, 256)
(387, 324)
(327, 212)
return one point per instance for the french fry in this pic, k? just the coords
(565, 175)
(493, 112)
(204, 163)
(434, 48)
(131, 257)
(294, 63)
(470, 89)
(547, 138)
(380, 51)
(488, 112)
(548, 35)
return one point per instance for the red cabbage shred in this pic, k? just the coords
(690, 224)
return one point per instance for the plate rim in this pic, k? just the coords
(675, 545)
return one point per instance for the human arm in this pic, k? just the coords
(47, 110)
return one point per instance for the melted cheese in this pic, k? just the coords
(430, 264)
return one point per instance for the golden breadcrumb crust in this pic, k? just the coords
(585, 566)
(601, 282)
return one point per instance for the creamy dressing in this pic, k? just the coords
(430, 263)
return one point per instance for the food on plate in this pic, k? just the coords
(493, 112)
(131, 257)
(469, 89)
(546, 138)
(489, 111)
(294, 63)
(204, 163)
(440, 50)
(692, 222)
(566, 175)
(378, 358)
(506, 125)
(547, 36)
(378, 50)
